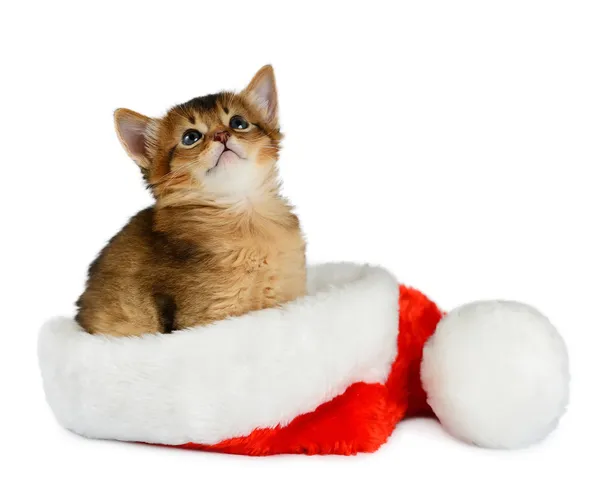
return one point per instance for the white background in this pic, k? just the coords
(456, 143)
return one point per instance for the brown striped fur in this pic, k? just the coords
(219, 241)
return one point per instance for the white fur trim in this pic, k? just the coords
(496, 374)
(211, 383)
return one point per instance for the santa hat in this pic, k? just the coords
(331, 373)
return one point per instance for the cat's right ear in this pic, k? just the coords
(132, 129)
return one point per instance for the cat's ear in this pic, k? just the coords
(132, 129)
(262, 93)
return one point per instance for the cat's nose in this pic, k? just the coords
(221, 136)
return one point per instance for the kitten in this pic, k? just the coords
(220, 240)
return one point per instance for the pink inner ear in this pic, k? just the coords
(265, 97)
(132, 133)
(265, 93)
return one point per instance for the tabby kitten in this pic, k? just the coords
(220, 240)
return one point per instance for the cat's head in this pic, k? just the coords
(219, 148)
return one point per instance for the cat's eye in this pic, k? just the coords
(190, 137)
(237, 122)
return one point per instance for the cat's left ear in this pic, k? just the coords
(132, 129)
(262, 93)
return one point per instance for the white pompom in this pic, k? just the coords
(496, 374)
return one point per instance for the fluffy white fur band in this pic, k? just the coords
(211, 383)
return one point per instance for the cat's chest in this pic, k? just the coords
(255, 255)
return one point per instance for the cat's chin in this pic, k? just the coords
(227, 157)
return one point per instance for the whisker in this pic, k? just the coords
(172, 175)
